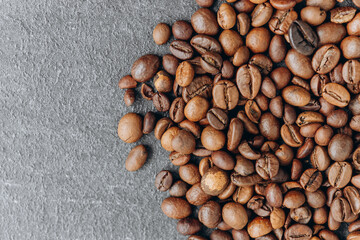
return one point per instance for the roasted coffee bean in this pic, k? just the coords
(353, 197)
(149, 122)
(355, 226)
(301, 214)
(258, 40)
(240, 234)
(276, 107)
(289, 114)
(348, 46)
(317, 82)
(298, 232)
(204, 3)
(309, 117)
(248, 80)
(281, 77)
(291, 135)
(200, 86)
(217, 118)
(178, 189)
(353, 27)
(244, 166)
(196, 109)
(267, 166)
(244, 6)
(243, 23)
(203, 43)
(226, 16)
(313, 15)
(161, 126)
(196, 196)
(195, 237)
(163, 82)
(282, 20)
(277, 218)
(336, 94)
(248, 151)
(184, 74)
(259, 227)
(182, 30)
(306, 149)
(189, 173)
(183, 142)
(230, 41)
(354, 235)
(316, 199)
(147, 92)
(242, 181)
(268, 88)
(234, 214)
(299, 64)
(243, 194)
(176, 110)
(283, 5)
(234, 134)
(212, 139)
(241, 56)
(340, 210)
(262, 62)
(210, 214)
(136, 158)
(309, 130)
(188, 226)
(326, 58)
(223, 160)
(163, 180)
(227, 70)
(330, 33)
(130, 127)
(220, 235)
(320, 216)
(277, 49)
(129, 97)
(211, 62)
(176, 208)
(214, 181)
(170, 63)
(225, 95)
(161, 33)
(320, 158)
(248, 124)
(274, 195)
(181, 49)
(340, 147)
(340, 174)
(342, 14)
(324, 4)
(228, 192)
(161, 102)
(311, 180)
(167, 137)
(145, 67)
(302, 38)
(252, 111)
(351, 72)
(204, 21)
(300, 82)
(261, 14)
(296, 169)
(197, 66)
(337, 119)
(127, 82)
(269, 126)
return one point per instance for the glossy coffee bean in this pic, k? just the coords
(196, 196)
(340, 147)
(161, 102)
(223, 160)
(336, 94)
(259, 227)
(261, 14)
(248, 79)
(167, 137)
(163, 180)
(130, 127)
(220, 235)
(210, 214)
(204, 21)
(301, 215)
(184, 74)
(176, 208)
(313, 15)
(127, 82)
(161, 33)
(136, 158)
(330, 33)
(234, 214)
(243, 23)
(170, 63)
(188, 226)
(326, 58)
(277, 49)
(234, 134)
(303, 38)
(226, 16)
(342, 14)
(349, 45)
(189, 173)
(351, 72)
(178, 189)
(353, 27)
(324, 4)
(181, 49)
(214, 181)
(225, 95)
(145, 67)
(282, 20)
(182, 30)
(258, 40)
(230, 41)
(296, 230)
(311, 180)
(267, 166)
(291, 135)
(320, 158)
(299, 64)
(340, 174)
(211, 62)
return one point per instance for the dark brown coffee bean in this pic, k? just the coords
(176, 111)
(355, 226)
(130, 127)
(276, 107)
(301, 215)
(252, 111)
(342, 14)
(188, 226)
(163, 82)
(317, 82)
(291, 135)
(178, 189)
(300, 82)
(196, 196)
(163, 181)
(277, 49)
(161, 102)
(337, 119)
(176, 208)
(192, 127)
(220, 235)
(336, 94)
(147, 92)
(262, 62)
(200, 86)
(244, 6)
(203, 43)
(242, 181)
(306, 149)
(204, 3)
(235, 133)
(149, 122)
(228, 192)
(248, 125)
(230, 41)
(311, 180)
(145, 67)
(127, 82)
(267, 166)
(340, 174)
(351, 72)
(214, 181)
(182, 30)
(259, 227)
(234, 214)
(217, 118)
(244, 166)
(313, 15)
(170, 63)
(129, 97)
(274, 195)
(243, 194)
(161, 33)
(298, 232)
(211, 62)
(324, 4)
(248, 80)
(340, 147)
(243, 23)
(293, 199)
(189, 173)
(181, 49)
(223, 160)
(326, 58)
(183, 142)
(204, 21)
(296, 96)
(261, 14)
(136, 158)
(225, 95)
(161, 126)
(248, 151)
(299, 64)
(268, 88)
(210, 214)
(282, 20)
(327, 234)
(309, 117)
(195, 237)
(330, 33)
(227, 70)
(269, 127)
(303, 38)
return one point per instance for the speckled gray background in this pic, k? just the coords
(62, 173)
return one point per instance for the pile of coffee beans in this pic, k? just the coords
(261, 112)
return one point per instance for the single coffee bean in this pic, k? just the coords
(301, 215)
(182, 30)
(248, 151)
(176, 111)
(234, 134)
(340, 210)
(223, 160)
(258, 40)
(277, 49)
(176, 208)
(147, 92)
(262, 62)
(149, 122)
(163, 82)
(214, 181)
(293, 199)
(349, 45)
(161, 102)
(311, 180)
(210, 214)
(227, 70)
(211, 62)
(161, 126)
(324, 4)
(249, 126)
(276, 107)
(196, 196)
(183, 142)
(226, 16)
(300, 82)
(330, 33)
(277, 218)
(230, 41)
(130, 127)
(127, 82)
(320, 158)
(240, 234)
(178, 189)
(252, 111)
(282, 20)
(243, 23)
(167, 137)
(306, 149)
(353, 27)
(302, 38)
(161, 33)
(267, 166)
(259, 227)
(136, 158)
(244, 166)
(283, 4)
(351, 72)
(244, 6)
(217, 118)
(274, 195)
(243, 194)
(200, 86)
(289, 114)
(340, 174)
(299, 64)
(320, 217)
(340, 147)
(261, 14)
(313, 15)
(145, 67)
(204, 21)
(212, 139)
(188, 226)
(248, 80)
(205, 4)
(170, 63)
(353, 235)
(242, 181)
(298, 232)
(196, 109)
(225, 95)
(309, 130)
(228, 192)
(337, 118)
(181, 49)
(184, 74)
(163, 181)
(203, 43)
(189, 173)
(192, 127)
(179, 159)
(326, 58)
(195, 237)
(309, 117)
(129, 97)
(336, 94)
(355, 226)
(291, 135)
(342, 14)
(281, 77)
(234, 214)
(353, 197)
(316, 199)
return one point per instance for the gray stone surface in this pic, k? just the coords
(62, 173)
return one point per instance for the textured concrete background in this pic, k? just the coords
(62, 173)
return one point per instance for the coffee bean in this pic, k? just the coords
(183, 142)
(320, 158)
(230, 41)
(244, 166)
(163, 82)
(249, 126)
(340, 210)
(301, 214)
(214, 181)
(192, 127)
(244, 6)
(226, 95)
(258, 40)
(149, 122)
(242, 181)
(240, 234)
(129, 97)
(204, 21)
(167, 137)
(248, 80)
(210, 214)
(276, 107)
(248, 151)
(340, 147)
(355, 226)
(306, 148)
(243, 23)
(351, 72)
(299, 64)
(220, 235)
(176, 208)
(353, 26)
(285, 154)
(203, 43)
(178, 189)
(283, 4)
(259, 227)
(127, 82)
(161, 33)
(261, 14)
(163, 180)
(217, 118)
(311, 180)
(204, 3)
(195, 237)
(170, 63)
(298, 232)
(179, 159)
(176, 111)
(211, 62)
(212, 139)
(196, 196)
(226, 16)
(196, 109)
(130, 127)
(228, 192)
(348, 46)
(189, 173)
(147, 92)
(188, 226)
(330, 33)
(326, 58)
(262, 62)
(200, 86)
(281, 21)
(161, 102)
(316, 199)
(136, 158)
(354, 235)
(161, 126)
(274, 195)
(267, 166)
(277, 218)
(181, 49)
(145, 67)
(353, 197)
(340, 174)
(223, 160)
(323, 4)
(184, 74)
(291, 135)
(234, 214)
(313, 15)
(302, 38)
(293, 199)
(342, 14)
(277, 49)
(182, 30)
